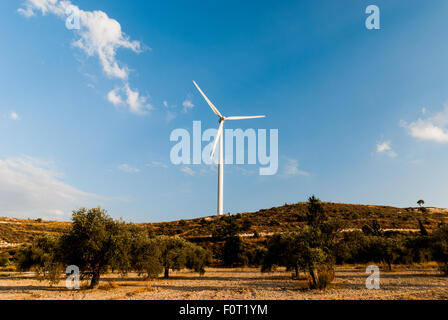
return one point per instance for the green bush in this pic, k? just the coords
(315, 214)
(256, 256)
(439, 247)
(306, 250)
(226, 227)
(364, 249)
(4, 259)
(177, 253)
(143, 255)
(323, 278)
(96, 243)
(372, 229)
(233, 252)
(246, 224)
(44, 256)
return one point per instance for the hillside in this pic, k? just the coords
(290, 216)
(267, 221)
(14, 232)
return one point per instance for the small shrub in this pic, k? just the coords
(233, 252)
(227, 227)
(299, 217)
(372, 229)
(256, 256)
(324, 278)
(439, 246)
(4, 259)
(246, 224)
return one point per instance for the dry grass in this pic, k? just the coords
(239, 284)
(109, 285)
(148, 288)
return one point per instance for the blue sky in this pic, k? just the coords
(361, 113)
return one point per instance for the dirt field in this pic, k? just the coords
(230, 284)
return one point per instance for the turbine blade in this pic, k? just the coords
(215, 110)
(218, 136)
(243, 117)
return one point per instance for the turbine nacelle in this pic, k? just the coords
(218, 138)
(222, 119)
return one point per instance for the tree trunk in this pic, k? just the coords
(297, 272)
(95, 280)
(167, 271)
(314, 277)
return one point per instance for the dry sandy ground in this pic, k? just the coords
(230, 284)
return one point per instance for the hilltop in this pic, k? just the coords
(14, 232)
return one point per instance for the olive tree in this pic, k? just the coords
(95, 243)
(305, 250)
(144, 254)
(439, 247)
(233, 251)
(315, 215)
(177, 253)
(281, 252)
(310, 249)
(43, 256)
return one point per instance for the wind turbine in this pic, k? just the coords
(219, 137)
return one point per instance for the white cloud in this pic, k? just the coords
(127, 168)
(426, 130)
(114, 97)
(188, 171)
(431, 129)
(187, 104)
(13, 116)
(292, 168)
(243, 171)
(27, 12)
(45, 6)
(385, 147)
(170, 116)
(100, 36)
(32, 188)
(157, 164)
(135, 102)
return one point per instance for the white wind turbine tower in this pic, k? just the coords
(219, 137)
